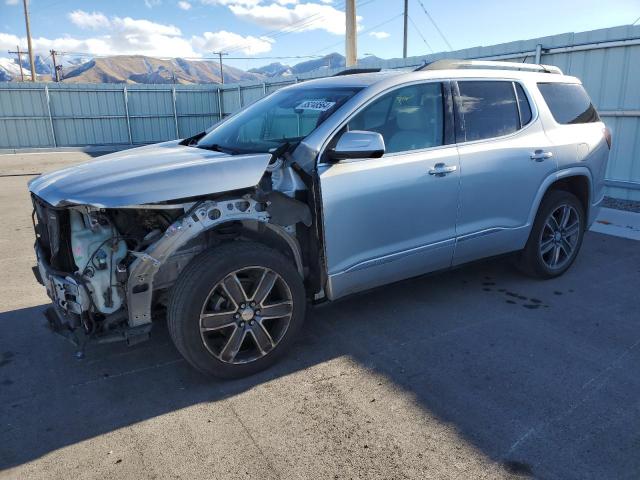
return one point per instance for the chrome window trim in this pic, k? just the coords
(532, 104)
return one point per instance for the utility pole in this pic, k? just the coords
(351, 47)
(220, 54)
(19, 53)
(55, 65)
(406, 18)
(26, 19)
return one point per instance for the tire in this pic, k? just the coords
(208, 324)
(564, 238)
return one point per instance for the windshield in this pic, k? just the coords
(284, 117)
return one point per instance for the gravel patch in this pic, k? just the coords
(629, 205)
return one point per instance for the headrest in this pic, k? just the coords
(411, 118)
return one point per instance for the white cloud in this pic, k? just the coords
(245, 3)
(11, 2)
(84, 19)
(222, 40)
(184, 5)
(379, 35)
(129, 36)
(121, 36)
(302, 17)
(130, 26)
(152, 3)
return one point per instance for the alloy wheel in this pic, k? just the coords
(559, 237)
(246, 314)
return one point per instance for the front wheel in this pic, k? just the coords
(556, 236)
(235, 309)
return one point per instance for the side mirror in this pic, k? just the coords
(358, 144)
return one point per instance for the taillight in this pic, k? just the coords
(607, 136)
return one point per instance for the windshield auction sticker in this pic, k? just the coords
(320, 105)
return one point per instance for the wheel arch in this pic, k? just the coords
(577, 181)
(269, 234)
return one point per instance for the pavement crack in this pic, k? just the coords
(253, 440)
(604, 375)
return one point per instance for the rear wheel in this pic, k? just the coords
(235, 309)
(556, 236)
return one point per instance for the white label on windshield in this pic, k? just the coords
(320, 105)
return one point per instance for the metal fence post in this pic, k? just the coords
(538, 54)
(220, 115)
(239, 96)
(175, 111)
(264, 88)
(53, 132)
(126, 112)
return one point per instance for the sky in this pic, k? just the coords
(292, 28)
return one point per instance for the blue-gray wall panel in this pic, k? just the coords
(93, 131)
(25, 133)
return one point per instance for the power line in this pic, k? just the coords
(435, 25)
(366, 30)
(296, 26)
(19, 53)
(273, 34)
(420, 33)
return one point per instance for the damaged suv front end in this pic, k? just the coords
(113, 235)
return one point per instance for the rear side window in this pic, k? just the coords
(569, 103)
(489, 109)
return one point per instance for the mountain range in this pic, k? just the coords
(143, 69)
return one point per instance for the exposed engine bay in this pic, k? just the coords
(108, 270)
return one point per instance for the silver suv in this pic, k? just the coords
(317, 191)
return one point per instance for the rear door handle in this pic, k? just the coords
(440, 170)
(541, 155)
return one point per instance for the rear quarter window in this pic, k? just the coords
(569, 103)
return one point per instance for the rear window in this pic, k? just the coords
(489, 109)
(569, 103)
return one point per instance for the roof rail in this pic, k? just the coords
(353, 71)
(453, 64)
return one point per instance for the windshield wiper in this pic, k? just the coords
(218, 148)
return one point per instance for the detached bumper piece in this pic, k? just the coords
(65, 326)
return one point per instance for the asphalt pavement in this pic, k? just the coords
(475, 373)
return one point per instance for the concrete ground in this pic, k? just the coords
(476, 373)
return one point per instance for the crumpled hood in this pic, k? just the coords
(154, 173)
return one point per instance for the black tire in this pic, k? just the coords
(531, 260)
(195, 288)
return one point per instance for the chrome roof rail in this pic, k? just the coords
(453, 64)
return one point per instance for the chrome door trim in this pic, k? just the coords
(483, 233)
(391, 257)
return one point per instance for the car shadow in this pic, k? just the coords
(539, 376)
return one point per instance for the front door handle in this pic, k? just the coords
(541, 155)
(440, 169)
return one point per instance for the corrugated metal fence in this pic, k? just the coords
(58, 114)
(67, 115)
